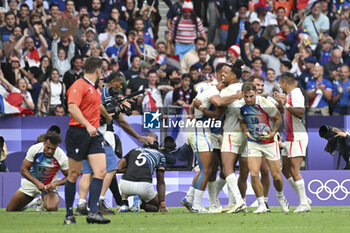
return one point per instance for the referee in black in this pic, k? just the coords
(83, 141)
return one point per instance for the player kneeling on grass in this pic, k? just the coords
(254, 112)
(40, 168)
(138, 166)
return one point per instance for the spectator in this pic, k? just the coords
(271, 83)
(21, 97)
(195, 75)
(246, 73)
(286, 65)
(52, 93)
(54, 15)
(307, 74)
(130, 12)
(140, 27)
(175, 10)
(60, 59)
(298, 63)
(207, 72)
(29, 54)
(145, 51)
(6, 31)
(316, 23)
(319, 92)
(237, 23)
(323, 51)
(203, 55)
(70, 12)
(255, 35)
(83, 26)
(2, 17)
(278, 52)
(8, 47)
(34, 85)
(140, 81)
(153, 99)
(87, 41)
(113, 51)
(233, 53)
(341, 92)
(135, 68)
(45, 67)
(185, 28)
(191, 57)
(59, 110)
(24, 16)
(184, 95)
(107, 39)
(99, 18)
(334, 64)
(168, 99)
(282, 18)
(76, 71)
(257, 66)
(12, 71)
(122, 26)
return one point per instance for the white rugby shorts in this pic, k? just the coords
(271, 150)
(144, 189)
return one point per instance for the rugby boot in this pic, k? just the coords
(97, 218)
(69, 220)
(102, 208)
(81, 210)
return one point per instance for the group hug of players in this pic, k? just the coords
(252, 126)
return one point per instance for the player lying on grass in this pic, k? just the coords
(40, 168)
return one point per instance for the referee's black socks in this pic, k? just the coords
(95, 191)
(69, 195)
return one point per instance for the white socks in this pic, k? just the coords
(300, 186)
(219, 184)
(231, 197)
(266, 199)
(261, 201)
(197, 200)
(82, 202)
(231, 181)
(292, 183)
(212, 192)
(190, 194)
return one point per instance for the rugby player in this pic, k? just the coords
(297, 138)
(138, 167)
(40, 168)
(256, 112)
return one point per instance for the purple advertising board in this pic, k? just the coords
(324, 188)
(21, 132)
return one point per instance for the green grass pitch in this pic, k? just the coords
(321, 219)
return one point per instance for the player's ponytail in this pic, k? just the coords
(237, 68)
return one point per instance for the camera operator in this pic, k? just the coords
(344, 135)
(115, 83)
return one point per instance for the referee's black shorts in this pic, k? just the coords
(79, 144)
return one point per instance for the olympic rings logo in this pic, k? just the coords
(344, 192)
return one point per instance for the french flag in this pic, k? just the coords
(6, 108)
(306, 4)
(180, 134)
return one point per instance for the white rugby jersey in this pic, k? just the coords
(294, 126)
(231, 123)
(204, 95)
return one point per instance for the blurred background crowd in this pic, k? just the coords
(166, 47)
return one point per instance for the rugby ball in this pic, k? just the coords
(262, 129)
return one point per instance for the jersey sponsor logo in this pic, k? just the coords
(151, 120)
(331, 188)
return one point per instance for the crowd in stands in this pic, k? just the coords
(44, 44)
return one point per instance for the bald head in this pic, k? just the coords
(336, 56)
(344, 72)
(318, 72)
